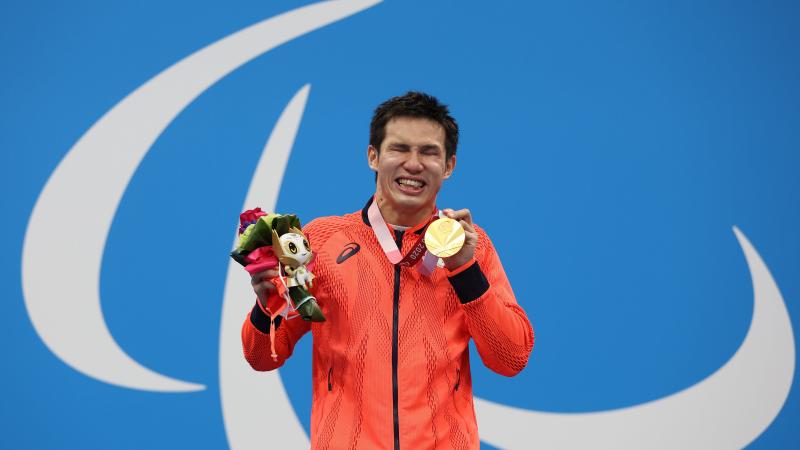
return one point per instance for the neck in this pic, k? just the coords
(401, 217)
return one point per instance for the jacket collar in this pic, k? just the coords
(416, 229)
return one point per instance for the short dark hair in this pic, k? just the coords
(419, 105)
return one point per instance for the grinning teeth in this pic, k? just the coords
(414, 183)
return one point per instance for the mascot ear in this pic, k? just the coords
(276, 245)
(287, 261)
(296, 231)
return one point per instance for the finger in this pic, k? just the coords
(461, 214)
(467, 226)
(270, 273)
(264, 289)
(263, 275)
(266, 285)
(470, 235)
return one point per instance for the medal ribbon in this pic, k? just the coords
(386, 240)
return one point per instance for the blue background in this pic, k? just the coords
(621, 140)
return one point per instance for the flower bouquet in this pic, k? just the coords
(276, 240)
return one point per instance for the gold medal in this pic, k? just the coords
(444, 237)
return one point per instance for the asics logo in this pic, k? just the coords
(349, 250)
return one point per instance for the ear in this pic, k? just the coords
(296, 231)
(372, 158)
(449, 166)
(276, 245)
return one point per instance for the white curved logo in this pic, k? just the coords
(60, 277)
(729, 409)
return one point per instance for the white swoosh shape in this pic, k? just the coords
(61, 270)
(255, 407)
(727, 410)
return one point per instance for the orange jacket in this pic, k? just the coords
(391, 363)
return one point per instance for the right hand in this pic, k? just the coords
(261, 284)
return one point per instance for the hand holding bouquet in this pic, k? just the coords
(270, 240)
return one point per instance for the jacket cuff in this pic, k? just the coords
(261, 320)
(469, 283)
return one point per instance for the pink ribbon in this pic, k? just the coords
(389, 246)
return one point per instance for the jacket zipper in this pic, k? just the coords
(395, 325)
(458, 378)
(330, 382)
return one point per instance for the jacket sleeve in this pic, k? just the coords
(502, 332)
(255, 330)
(256, 342)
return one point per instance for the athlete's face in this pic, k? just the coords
(411, 165)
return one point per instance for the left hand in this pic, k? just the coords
(467, 252)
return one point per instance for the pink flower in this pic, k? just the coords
(249, 217)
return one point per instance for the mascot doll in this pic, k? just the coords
(267, 241)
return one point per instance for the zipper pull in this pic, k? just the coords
(458, 378)
(330, 382)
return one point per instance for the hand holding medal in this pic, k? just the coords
(452, 238)
(444, 237)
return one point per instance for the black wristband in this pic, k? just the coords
(470, 283)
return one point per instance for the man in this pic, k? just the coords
(391, 363)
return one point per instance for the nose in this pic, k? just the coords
(413, 163)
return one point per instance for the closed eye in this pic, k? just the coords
(399, 147)
(431, 150)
